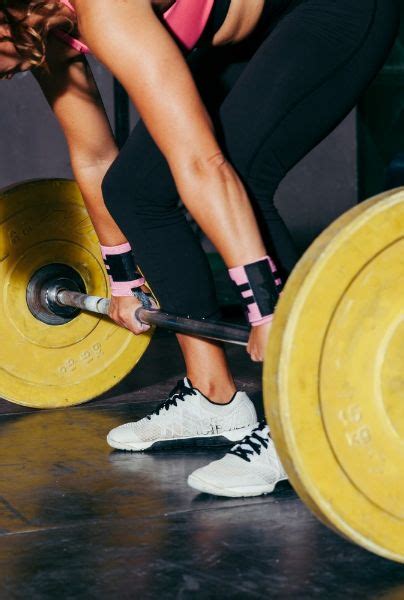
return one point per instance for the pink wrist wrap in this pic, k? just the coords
(259, 285)
(121, 268)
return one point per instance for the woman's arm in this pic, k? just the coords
(74, 98)
(129, 39)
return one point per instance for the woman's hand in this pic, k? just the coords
(122, 311)
(258, 342)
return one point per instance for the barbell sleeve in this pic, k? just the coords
(94, 304)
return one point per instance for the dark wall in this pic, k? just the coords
(381, 126)
(322, 186)
(32, 146)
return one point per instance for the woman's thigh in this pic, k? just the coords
(303, 80)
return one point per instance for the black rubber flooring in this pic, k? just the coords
(80, 521)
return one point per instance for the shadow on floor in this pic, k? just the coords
(80, 521)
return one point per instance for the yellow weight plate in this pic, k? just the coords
(334, 376)
(43, 366)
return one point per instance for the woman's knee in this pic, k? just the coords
(127, 197)
(131, 189)
(261, 173)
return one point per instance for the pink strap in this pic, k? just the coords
(124, 288)
(68, 4)
(239, 275)
(120, 288)
(240, 278)
(262, 321)
(114, 250)
(71, 41)
(67, 38)
(187, 19)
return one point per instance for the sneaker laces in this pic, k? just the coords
(178, 393)
(252, 443)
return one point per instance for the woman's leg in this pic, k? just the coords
(140, 194)
(303, 80)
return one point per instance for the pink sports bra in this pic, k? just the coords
(186, 19)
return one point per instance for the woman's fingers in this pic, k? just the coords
(122, 311)
(258, 341)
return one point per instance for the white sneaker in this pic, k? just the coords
(187, 415)
(250, 468)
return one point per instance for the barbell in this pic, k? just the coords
(54, 297)
(334, 370)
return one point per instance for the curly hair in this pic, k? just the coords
(29, 41)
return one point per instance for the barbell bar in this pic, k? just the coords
(212, 330)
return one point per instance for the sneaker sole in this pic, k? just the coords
(200, 485)
(222, 439)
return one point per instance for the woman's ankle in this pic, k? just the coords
(207, 368)
(216, 389)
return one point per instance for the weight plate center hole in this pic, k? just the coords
(42, 292)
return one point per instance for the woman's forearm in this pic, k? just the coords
(89, 180)
(72, 93)
(213, 193)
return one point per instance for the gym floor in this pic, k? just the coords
(80, 521)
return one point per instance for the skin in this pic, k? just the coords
(180, 126)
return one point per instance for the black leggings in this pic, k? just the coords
(272, 98)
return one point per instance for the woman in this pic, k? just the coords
(297, 67)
